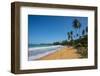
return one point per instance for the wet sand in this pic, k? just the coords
(64, 53)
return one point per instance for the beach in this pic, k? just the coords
(35, 53)
(63, 53)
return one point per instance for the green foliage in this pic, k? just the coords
(81, 46)
(83, 51)
(68, 35)
(76, 24)
(64, 42)
(56, 43)
(77, 40)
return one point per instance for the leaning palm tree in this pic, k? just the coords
(76, 25)
(71, 34)
(83, 32)
(68, 33)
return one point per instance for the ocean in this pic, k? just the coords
(38, 51)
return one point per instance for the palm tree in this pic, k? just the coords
(77, 35)
(76, 25)
(68, 33)
(71, 34)
(83, 32)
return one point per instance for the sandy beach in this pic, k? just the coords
(64, 53)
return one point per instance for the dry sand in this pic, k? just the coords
(64, 53)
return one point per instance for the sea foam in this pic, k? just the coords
(38, 52)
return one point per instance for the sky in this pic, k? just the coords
(49, 29)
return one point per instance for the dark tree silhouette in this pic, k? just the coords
(76, 25)
(71, 35)
(83, 32)
(68, 35)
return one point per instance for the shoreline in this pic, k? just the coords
(39, 55)
(63, 53)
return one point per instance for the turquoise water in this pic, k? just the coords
(33, 45)
(36, 51)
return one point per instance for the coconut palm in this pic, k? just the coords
(77, 35)
(83, 32)
(76, 25)
(68, 33)
(71, 34)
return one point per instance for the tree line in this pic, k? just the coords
(76, 36)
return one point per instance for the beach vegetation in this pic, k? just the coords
(79, 41)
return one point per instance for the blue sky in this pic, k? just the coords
(48, 29)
